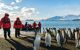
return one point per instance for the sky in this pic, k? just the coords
(39, 9)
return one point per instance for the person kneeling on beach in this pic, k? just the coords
(6, 24)
(17, 26)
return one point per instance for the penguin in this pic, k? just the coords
(44, 30)
(69, 33)
(51, 31)
(37, 42)
(54, 32)
(76, 38)
(48, 39)
(58, 38)
(63, 34)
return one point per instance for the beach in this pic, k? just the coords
(25, 42)
(26, 39)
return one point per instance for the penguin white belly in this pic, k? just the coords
(58, 39)
(48, 39)
(76, 36)
(54, 33)
(63, 34)
(37, 42)
(69, 34)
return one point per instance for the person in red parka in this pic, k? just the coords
(34, 27)
(17, 25)
(39, 26)
(6, 24)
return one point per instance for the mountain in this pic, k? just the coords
(29, 20)
(76, 19)
(67, 17)
(71, 17)
(55, 18)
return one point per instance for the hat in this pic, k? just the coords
(6, 14)
(17, 18)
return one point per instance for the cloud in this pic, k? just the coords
(4, 8)
(28, 11)
(18, 1)
(1, 5)
(24, 13)
(15, 11)
(13, 3)
(16, 7)
(37, 12)
(8, 7)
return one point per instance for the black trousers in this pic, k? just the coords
(6, 32)
(17, 32)
(40, 29)
(35, 31)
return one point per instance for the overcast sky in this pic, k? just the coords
(39, 9)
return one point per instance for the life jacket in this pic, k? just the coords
(18, 24)
(6, 22)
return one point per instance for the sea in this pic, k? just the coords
(58, 24)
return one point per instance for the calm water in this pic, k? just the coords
(61, 24)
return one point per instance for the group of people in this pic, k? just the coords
(5, 23)
(30, 27)
(36, 27)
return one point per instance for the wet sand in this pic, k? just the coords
(25, 42)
